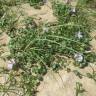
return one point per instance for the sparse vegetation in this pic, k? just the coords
(79, 89)
(38, 48)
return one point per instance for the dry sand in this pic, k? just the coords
(64, 84)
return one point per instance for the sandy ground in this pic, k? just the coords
(4, 50)
(64, 84)
(53, 84)
(93, 42)
(45, 14)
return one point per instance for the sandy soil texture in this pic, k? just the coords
(64, 84)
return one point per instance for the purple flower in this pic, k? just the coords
(73, 10)
(10, 64)
(79, 35)
(78, 57)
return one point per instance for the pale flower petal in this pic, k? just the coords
(10, 66)
(78, 57)
(45, 29)
(79, 35)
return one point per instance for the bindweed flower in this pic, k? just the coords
(79, 35)
(73, 11)
(45, 29)
(10, 64)
(78, 57)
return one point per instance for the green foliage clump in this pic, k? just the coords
(88, 3)
(9, 2)
(36, 3)
(35, 47)
(79, 89)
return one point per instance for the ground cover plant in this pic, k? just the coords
(38, 48)
(36, 3)
(79, 89)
